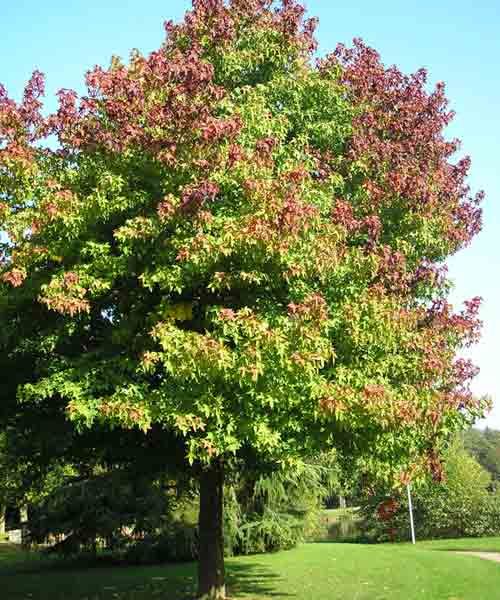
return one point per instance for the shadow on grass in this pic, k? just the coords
(29, 575)
(253, 579)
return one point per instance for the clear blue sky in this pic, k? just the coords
(457, 41)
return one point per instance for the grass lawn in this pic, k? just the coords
(319, 571)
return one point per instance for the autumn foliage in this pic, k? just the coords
(305, 219)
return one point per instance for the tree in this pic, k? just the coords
(244, 250)
(459, 506)
(272, 511)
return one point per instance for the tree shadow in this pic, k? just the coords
(255, 579)
(26, 575)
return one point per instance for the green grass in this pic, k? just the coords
(489, 544)
(320, 571)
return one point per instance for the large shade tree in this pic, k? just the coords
(243, 247)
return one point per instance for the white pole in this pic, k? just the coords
(410, 509)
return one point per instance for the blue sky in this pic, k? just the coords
(457, 41)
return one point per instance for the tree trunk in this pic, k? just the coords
(211, 577)
(342, 502)
(2, 520)
(23, 514)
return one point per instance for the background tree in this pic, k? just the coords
(244, 250)
(265, 512)
(484, 446)
(460, 506)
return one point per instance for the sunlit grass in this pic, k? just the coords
(321, 571)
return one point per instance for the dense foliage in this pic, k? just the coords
(460, 506)
(241, 248)
(276, 511)
(84, 512)
(128, 516)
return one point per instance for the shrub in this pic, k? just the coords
(178, 541)
(83, 514)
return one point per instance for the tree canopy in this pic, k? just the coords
(241, 246)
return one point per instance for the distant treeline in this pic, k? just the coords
(484, 446)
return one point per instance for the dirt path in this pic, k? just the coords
(494, 556)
